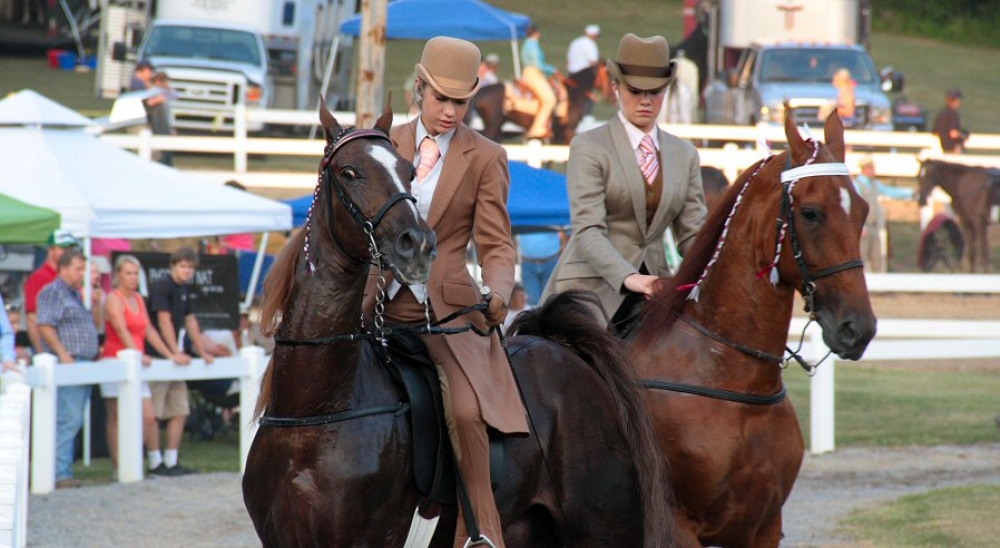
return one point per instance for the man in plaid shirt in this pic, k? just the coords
(67, 329)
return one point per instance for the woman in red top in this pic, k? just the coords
(127, 326)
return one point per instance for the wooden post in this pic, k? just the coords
(371, 61)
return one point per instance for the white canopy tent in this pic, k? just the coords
(103, 191)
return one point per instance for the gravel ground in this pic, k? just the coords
(206, 510)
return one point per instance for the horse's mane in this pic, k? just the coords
(278, 284)
(662, 310)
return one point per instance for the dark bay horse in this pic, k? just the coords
(972, 193)
(494, 106)
(332, 462)
(710, 343)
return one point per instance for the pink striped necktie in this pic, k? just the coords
(429, 154)
(649, 163)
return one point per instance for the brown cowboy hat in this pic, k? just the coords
(450, 66)
(642, 63)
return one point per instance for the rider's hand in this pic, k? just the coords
(496, 311)
(641, 283)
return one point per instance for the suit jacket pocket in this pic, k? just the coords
(459, 293)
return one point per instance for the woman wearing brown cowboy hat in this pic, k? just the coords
(628, 182)
(461, 186)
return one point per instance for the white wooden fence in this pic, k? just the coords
(15, 428)
(897, 154)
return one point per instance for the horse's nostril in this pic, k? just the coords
(407, 243)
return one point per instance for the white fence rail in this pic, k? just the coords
(15, 427)
(46, 376)
(734, 147)
(901, 340)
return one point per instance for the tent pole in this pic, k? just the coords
(87, 289)
(514, 53)
(258, 264)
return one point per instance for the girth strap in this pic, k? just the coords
(341, 416)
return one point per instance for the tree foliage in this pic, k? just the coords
(966, 21)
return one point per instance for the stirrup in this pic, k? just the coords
(483, 541)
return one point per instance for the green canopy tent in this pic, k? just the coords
(23, 223)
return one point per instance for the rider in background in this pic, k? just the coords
(583, 52)
(488, 70)
(535, 73)
(461, 186)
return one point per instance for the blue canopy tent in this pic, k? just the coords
(467, 19)
(538, 200)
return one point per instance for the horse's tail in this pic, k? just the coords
(568, 319)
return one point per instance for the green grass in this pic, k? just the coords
(961, 516)
(894, 407)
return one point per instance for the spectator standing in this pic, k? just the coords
(948, 125)
(539, 255)
(59, 241)
(583, 53)
(170, 311)
(128, 326)
(160, 117)
(142, 76)
(488, 70)
(871, 189)
(518, 304)
(622, 199)
(67, 329)
(535, 73)
(845, 85)
(8, 353)
(22, 348)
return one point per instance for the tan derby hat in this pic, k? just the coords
(450, 66)
(642, 63)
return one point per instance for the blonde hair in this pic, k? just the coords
(120, 262)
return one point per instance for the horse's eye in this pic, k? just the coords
(349, 173)
(811, 215)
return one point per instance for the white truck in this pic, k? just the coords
(766, 53)
(221, 53)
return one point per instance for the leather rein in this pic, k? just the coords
(808, 290)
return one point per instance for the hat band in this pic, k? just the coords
(452, 83)
(644, 70)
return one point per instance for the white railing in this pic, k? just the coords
(15, 428)
(898, 154)
(901, 340)
(46, 376)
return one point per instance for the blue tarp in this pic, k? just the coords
(466, 19)
(538, 200)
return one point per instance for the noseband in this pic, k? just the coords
(327, 174)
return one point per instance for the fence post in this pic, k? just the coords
(249, 389)
(534, 152)
(145, 144)
(43, 424)
(17, 395)
(240, 136)
(821, 387)
(130, 419)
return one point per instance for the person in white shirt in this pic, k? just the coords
(583, 52)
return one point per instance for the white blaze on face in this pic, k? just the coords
(845, 200)
(389, 161)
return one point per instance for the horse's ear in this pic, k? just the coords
(834, 134)
(330, 126)
(384, 122)
(796, 143)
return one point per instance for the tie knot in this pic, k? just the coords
(646, 145)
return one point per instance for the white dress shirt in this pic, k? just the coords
(582, 53)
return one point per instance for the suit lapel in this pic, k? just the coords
(452, 173)
(634, 181)
(405, 139)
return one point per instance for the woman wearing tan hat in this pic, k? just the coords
(461, 185)
(628, 182)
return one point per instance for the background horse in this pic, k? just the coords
(332, 462)
(712, 363)
(715, 184)
(971, 191)
(580, 87)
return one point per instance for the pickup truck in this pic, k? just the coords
(801, 74)
(212, 68)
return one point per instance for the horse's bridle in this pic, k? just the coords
(789, 176)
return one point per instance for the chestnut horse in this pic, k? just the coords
(972, 193)
(710, 343)
(490, 103)
(332, 461)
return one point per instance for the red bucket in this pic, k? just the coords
(54, 57)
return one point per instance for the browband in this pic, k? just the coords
(814, 170)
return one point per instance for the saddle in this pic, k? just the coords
(433, 457)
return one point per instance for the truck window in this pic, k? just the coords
(815, 65)
(203, 43)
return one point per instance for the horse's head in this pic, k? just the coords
(362, 204)
(927, 177)
(821, 246)
(602, 83)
